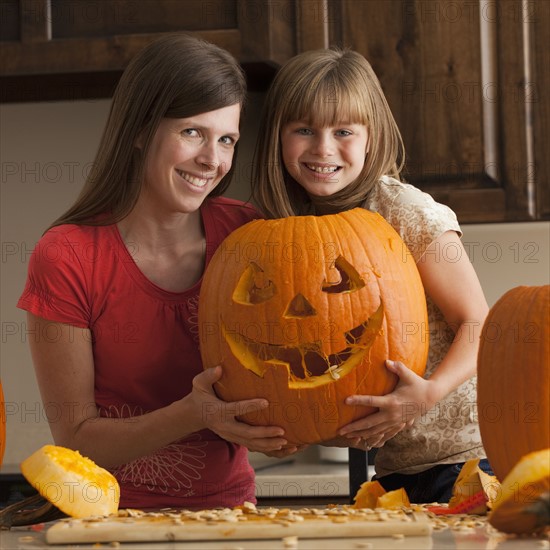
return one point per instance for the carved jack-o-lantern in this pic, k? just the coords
(303, 311)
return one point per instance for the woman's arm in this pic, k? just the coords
(450, 280)
(64, 368)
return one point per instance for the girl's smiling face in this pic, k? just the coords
(324, 159)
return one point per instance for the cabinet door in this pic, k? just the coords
(70, 49)
(73, 49)
(468, 83)
(77, 36)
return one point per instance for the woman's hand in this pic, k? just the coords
(396, 410)
(220, 417)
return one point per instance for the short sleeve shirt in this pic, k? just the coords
(145, 343)
(449, 432)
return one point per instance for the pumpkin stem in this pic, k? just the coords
(540, 508)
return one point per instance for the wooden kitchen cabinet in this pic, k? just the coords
(69, 49)
(468, 82)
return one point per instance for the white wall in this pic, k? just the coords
(506, 255)
(45, 152)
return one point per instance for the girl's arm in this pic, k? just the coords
(454, 287)
(64, 368)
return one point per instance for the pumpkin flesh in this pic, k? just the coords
(73, 483)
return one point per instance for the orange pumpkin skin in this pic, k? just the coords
(2, 425)
(304, 311)
(514, 377)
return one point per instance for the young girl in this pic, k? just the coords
(328, 143)
(113, 288)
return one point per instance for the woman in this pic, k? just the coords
(113, 288)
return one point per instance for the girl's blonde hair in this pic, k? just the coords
(323, 87)
(176, 76)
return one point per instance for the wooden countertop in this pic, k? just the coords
(474, 539)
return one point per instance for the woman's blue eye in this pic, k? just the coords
(226, 140)
(192, 132)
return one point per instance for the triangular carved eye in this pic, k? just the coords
(253, 286)
(346, 278)
(299, 307)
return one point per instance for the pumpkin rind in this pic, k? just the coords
(372, 495)
(304, 311)
(368, 494)
(514, 377)
(73, 483)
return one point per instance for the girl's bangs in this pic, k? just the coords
(328, 103)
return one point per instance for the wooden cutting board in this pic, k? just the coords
(239, 524)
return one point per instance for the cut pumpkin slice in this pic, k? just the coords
(372, 495)
(471, 481)
(368, 495)
(393, 499)
(71, 482)
(523, 505)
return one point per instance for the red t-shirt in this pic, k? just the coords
(146, 353)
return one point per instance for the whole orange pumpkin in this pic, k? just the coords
(304, 311)
(514, 377)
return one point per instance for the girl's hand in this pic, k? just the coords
(396, 410)
(220, 416)
(286, 451)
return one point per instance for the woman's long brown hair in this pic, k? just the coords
(177, 76)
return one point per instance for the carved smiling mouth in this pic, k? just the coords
(307, 363)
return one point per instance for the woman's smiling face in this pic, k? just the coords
(188, 157)
(324, 159)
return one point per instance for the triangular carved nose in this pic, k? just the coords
(299, 307)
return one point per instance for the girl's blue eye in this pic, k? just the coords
(344, 133)
(304, 131)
